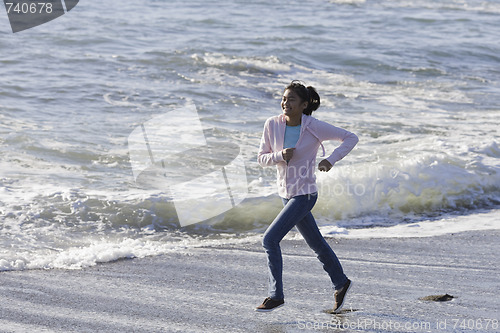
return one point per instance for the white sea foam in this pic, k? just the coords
(489, 6)
(348, 2)
(123, 102)
(449, 225)
(107, 249)
(271, 63)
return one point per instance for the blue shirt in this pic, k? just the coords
(292, 134)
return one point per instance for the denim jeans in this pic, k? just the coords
(297, 212)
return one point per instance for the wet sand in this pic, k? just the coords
(215, 289)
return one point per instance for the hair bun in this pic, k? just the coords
(314, 100)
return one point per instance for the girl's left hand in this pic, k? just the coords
(325, 166)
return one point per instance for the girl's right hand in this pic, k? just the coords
(287, 154)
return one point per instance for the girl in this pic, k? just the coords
(291, 141)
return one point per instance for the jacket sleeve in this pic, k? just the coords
(330, 132)
(266, 155)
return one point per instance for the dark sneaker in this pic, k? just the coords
(340, 296)
(270, 304)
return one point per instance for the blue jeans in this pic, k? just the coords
(297, 212)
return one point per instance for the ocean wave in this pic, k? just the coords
(488, 6)
(269, 64)
(419, 186)
(46, 226)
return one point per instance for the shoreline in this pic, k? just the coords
(216, 288)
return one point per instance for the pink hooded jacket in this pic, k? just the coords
(298, 176)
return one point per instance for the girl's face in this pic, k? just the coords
(292, 105)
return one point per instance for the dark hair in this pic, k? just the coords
(307, 94)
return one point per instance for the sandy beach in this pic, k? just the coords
(215, 289)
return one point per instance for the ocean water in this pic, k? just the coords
(417, 81)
